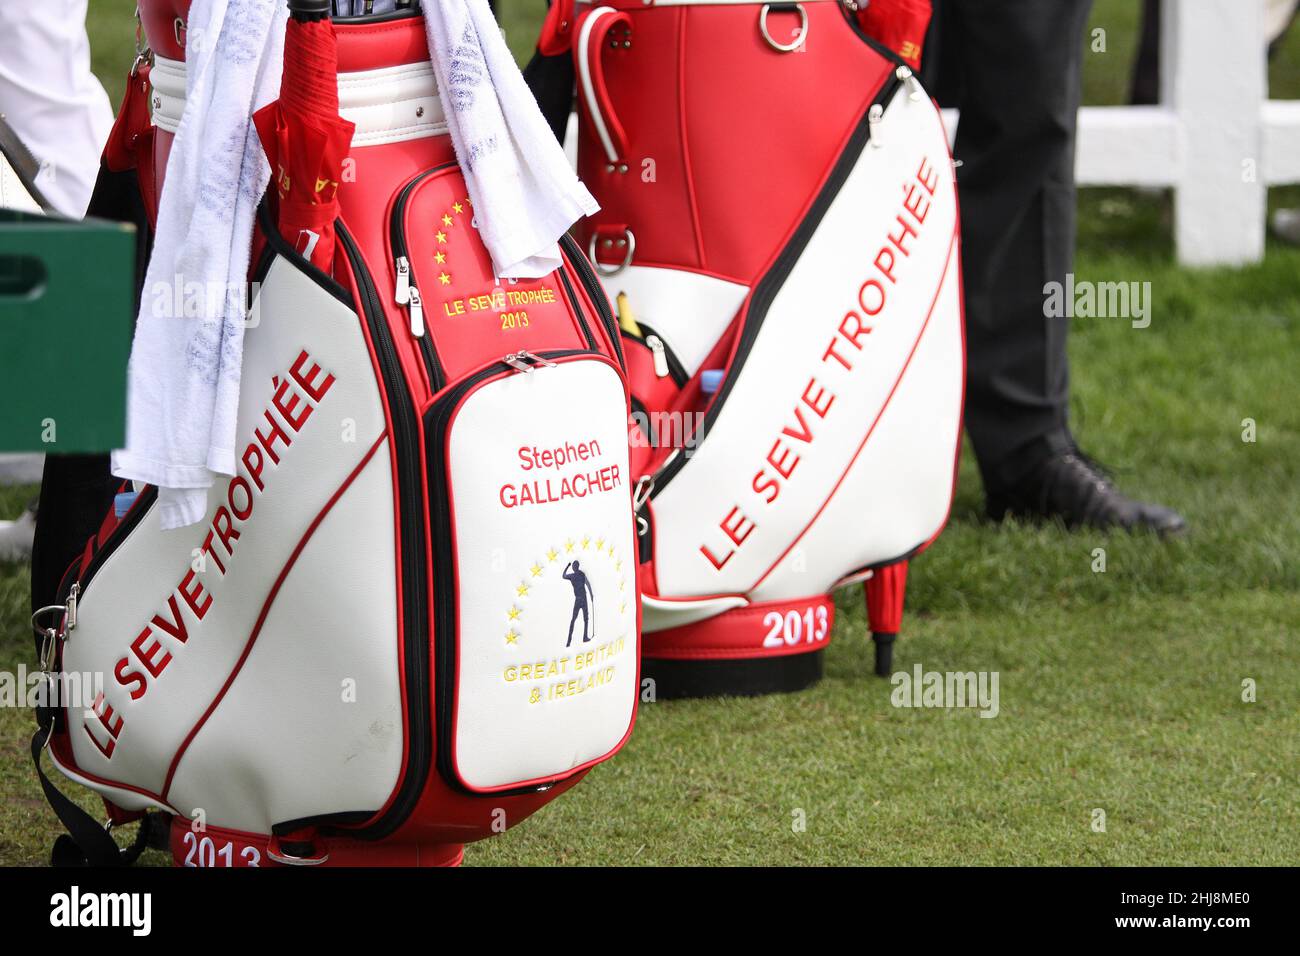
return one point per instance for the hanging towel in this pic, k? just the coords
(524, 193)
(183, 377)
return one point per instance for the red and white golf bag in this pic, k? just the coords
(778, 208)
(370, 650)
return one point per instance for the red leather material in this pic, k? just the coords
(557, 29)
(657, 393)
(771, 629)
(718, 179)
(886, 590)
(373, 46)
(161, 30)
(472, 319)
(220, 847)
(899, 25)
(131, 141)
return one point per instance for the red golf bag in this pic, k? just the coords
(779, 220)
(410, 619)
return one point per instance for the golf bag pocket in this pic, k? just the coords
(656, 377)
(433, 254)
(534, 570)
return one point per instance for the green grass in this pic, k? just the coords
(1119, 691)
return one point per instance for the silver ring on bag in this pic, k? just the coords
(627, 258)
(799, 39)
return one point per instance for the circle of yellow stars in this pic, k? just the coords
(570, 546)
(447, 221)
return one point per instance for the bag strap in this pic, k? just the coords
(87, 842)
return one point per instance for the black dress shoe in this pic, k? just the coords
(1071, 487)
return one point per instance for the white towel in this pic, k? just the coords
(183, 383)
(524, 192)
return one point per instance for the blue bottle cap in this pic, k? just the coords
(122, 503)
(711, 380)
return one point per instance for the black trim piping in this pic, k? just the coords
(406, 444)
(596, 293)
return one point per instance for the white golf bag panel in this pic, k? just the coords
(547, 649)
(227, 647)
(833, 436)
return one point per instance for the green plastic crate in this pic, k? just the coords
(67, 308)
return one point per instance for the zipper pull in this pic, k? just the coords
(905, 74)
(71, 619)
(402, 294)
(416, 309)
(875, 116)
(660, 354)
(645, 487)
(525, 361)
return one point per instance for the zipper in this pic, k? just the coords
(766, 289)
(445, 607)
(406, 290)
(577, 309)
(666, 362)
(406, 444)
(596, 293)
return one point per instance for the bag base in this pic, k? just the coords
(772, 647)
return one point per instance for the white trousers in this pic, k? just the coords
(50, 97)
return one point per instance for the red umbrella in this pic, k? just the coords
(304, 137)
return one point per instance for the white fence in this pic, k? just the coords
(1216, 139)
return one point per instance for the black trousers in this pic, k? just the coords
(1013, 69)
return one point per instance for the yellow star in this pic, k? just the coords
(511, 637)
(444, 278)
(586, 541)
(622, 607)
(552, 555)
(446, 220)
(600, 544)
(568, 546)
(514, 613)
(618, 565)
(440, 236)
(457, 207)
(536, 569)
(611, 550)
(522, 590)
(440, 257)
(620, 584)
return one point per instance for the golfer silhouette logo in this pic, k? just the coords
(581, 589)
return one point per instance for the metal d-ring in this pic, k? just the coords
(799, 39)
(627, 258)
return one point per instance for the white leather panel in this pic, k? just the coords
(543, 686)
(313, 723)
(660, 615)
(777, 452)
(898, 491)
(688, 310)
(388, 105)
(139, 592)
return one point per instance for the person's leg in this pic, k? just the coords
(1019, 92)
